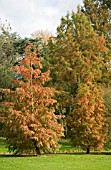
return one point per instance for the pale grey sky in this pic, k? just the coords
(27, 16)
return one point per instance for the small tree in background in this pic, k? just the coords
(30, 124)
(44, 35)
(7, 57)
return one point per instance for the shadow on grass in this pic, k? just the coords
(13, 155)
(72, 153)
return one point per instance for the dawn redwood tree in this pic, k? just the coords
(99, 14)
(78, 56)
(30, 124)
(88, 121)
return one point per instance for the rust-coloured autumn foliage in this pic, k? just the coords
(88, 121)
(30, 123)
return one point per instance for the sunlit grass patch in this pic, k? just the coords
(57, 162)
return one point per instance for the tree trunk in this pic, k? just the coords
(88, 151)
(37, 148)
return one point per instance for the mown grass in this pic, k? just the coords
(57, 162)
(54, 161)
(3, 148)
(66, 146)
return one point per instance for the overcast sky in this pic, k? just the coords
(27, 16)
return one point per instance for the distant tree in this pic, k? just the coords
(30, 125)
(43, 35)
(7, 57)
(20, 44)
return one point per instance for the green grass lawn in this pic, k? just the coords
(66, 146)
(54, 161)
(3, 148)
(57, 162)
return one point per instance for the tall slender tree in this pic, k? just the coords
(78, 58)
(88, 121)
(99, 14)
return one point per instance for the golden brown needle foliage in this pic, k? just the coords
(30, 123)
(88, 121)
